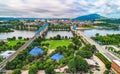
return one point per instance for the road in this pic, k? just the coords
(99, 47)
(2, 64)
(116, 48)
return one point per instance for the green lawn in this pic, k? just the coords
(55, 43)
(14, 42)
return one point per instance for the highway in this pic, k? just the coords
(109, 55)
(2, 64)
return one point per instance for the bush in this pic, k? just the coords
(104, 60)
(106, 72)
(85, 53)
(16, 71)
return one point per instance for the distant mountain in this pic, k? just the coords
(90, 17)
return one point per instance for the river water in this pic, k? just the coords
(61, 33)
(92, 32)
(17, 33)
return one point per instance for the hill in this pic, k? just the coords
(90, 17)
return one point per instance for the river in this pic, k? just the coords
(17, 33)
(61, 33)
(92, 32)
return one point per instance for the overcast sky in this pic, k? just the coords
(58, 8)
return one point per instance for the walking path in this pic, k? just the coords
(101, 64)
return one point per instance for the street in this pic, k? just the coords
(99, 47)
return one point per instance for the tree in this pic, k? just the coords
(71, 46)
(106, 72)
(14, 38)
(16, 71)
(76, 41)
(81, 64)
(58, 37)
(72, 66)
(19, 37)
(66, 37)
(85, 53)
(32, 69)
(78, 64)
(97, 34)
(50, 70)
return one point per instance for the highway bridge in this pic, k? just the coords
(38, 33)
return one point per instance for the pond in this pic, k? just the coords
(61, 33)
(92, 32)
(17, 33)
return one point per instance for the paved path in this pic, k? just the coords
(99, 48)
(101, 64)
(116, 48)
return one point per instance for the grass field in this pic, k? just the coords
(55, 43)
(14, 42)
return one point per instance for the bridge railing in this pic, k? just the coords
(41, 28)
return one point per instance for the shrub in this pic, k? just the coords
(104, 60)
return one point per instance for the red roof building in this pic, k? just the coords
(116, 66)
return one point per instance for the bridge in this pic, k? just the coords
(38, 33)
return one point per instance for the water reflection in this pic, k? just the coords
(17, 33)
(92, 32)
(61, 33)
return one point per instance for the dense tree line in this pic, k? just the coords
(75, 61)
(4, 46)
(1, 59)
(113, 39)
(78, 64)
(3, 29)
(86, 51)
(24, 58)
(67, 52)
(59, 28)
(104, 60)
(110, 26)
(115, 21)
(58, 37)
(16, 71)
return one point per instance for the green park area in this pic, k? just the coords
(11, 45)
(55, 43)
(14, 42)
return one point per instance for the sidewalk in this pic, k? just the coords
(101, 64)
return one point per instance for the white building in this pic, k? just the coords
(7, 53)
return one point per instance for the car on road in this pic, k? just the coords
(97, 69)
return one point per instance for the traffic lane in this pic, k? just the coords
(110, 56)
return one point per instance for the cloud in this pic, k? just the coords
(58, 8)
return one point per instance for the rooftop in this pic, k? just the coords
(7, 53)
(57, 57)
(117, 62)
(36, 51)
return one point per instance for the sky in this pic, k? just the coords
(59, 8)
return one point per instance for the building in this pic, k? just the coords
(7, 53)
(35, 51)
(91, 63)
(57, 57)
(116, 66)
(80, 25)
